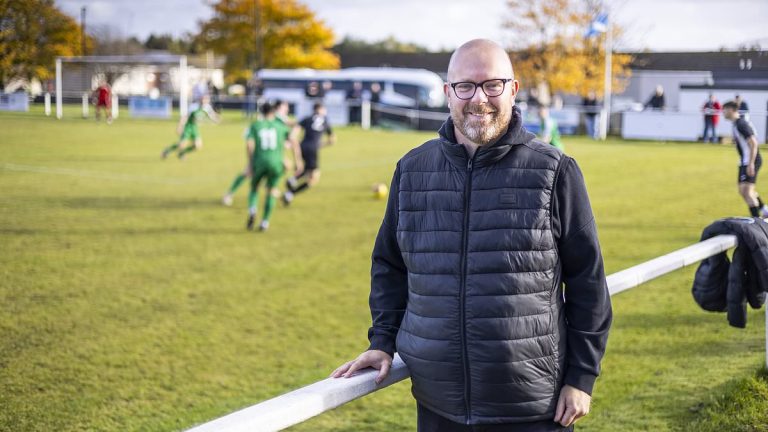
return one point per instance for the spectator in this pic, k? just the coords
(375, 100)
(591, 109)
(354, 98)
(711, 110)
(743, 107)
(657, 102)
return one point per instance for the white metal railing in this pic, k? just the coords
(299, 405)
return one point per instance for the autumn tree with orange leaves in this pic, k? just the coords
(552, 50)
(32, 34)
(267, 33)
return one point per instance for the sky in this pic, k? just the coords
(655, 25)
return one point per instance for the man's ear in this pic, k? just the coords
(515, 88)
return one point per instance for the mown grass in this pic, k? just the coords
(130, 299)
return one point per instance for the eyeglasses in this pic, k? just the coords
(493, 87)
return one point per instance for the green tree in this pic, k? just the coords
(32, 34)
(166, 42)
(388, 45)
(267, 33)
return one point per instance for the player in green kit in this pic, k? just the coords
(550, 133)
(266, 144)
(281, 113)
(189, 135)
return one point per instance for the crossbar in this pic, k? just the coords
(299, 405)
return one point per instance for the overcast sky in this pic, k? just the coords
(656, 25)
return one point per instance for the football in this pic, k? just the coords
(380, 191)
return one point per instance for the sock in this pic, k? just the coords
(187, 150)
(754, 211)
(302, 187)
(269, 205)
(253, 197)
(236, 184)
(171, 147)
(760, 202)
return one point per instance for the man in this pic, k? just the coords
(657, 101)
(189, 134)
(743, 107)
(282, 114)
(266, 144)
(750, 160)
(711, 110)
(314, 127)
(102, 97)
(482, 228)
(591, 109)
(550, 132)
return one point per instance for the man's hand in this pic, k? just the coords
(751, 170)
(371, 358)
(572, 405)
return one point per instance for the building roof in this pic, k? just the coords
(705, 61)
(733, 61)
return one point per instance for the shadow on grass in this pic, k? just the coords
(186, 231)
(135, 203)
(740, 404)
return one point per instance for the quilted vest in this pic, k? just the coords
(484, 331)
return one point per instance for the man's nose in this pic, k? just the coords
(480, 96)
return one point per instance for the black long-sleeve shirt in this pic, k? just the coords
(587, 301)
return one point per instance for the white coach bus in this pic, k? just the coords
(399, 87)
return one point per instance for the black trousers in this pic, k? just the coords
(428, 421)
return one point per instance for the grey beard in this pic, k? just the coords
(480, 135)
(484, 135)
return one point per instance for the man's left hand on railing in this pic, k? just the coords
(372, 358)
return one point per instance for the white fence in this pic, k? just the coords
(299, 405)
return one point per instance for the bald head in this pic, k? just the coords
(478, 55)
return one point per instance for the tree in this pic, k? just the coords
(388, 45)
(166, 42)
(267, 33)
(32, 34)
(552, 50)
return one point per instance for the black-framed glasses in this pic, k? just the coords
(465, 90)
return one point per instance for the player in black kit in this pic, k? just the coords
(314, 127)
(749, 158)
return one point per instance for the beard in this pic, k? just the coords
(485, 128)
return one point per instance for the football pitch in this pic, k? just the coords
(132, 300)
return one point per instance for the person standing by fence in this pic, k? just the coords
(591, 109)
(711, 110)
(483, 228)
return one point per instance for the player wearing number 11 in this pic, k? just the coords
(266, 144)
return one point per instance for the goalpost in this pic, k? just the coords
(156, 80)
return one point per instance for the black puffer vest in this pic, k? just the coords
(484, 331)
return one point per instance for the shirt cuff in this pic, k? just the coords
(383, 343)
(580, 379)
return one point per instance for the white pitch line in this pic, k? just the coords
(94, 174)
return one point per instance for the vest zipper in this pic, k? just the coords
(462, 293)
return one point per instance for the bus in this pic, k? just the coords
(342, 90)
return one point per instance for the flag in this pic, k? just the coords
(598, 25)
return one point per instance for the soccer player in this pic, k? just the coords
(282, 114)
(314, 127)
(549, 131)
(266, 143)
(189, 134)
(749, 158)
(102, 98)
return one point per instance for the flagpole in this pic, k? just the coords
(605, 115)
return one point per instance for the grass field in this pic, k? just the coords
(131, 300)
